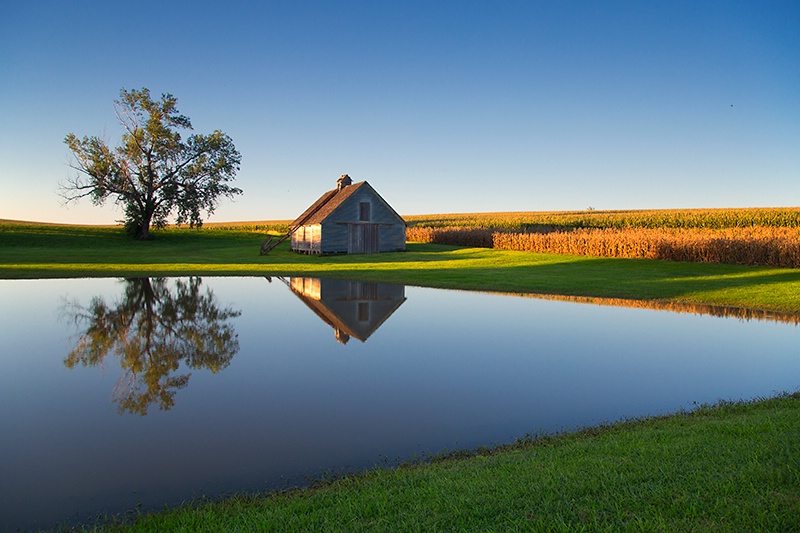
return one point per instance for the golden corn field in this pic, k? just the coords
(457, 236)
(765, 237)
(777, 247)
(785, 217)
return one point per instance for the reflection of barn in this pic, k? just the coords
(353, 219)
(351, 308)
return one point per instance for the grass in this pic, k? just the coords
(42, 251)
(729, 467)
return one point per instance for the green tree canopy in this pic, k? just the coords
(153, 172)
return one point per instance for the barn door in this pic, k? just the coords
(363, 239)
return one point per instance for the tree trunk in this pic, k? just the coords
(143, 231)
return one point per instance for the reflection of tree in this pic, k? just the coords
(154, 330)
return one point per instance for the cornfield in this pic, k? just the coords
(755, 246)
(456, 236)
(278, 226)
(784, 217)
(763, 246)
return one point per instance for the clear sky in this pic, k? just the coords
(443, 106)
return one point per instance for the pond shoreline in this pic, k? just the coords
(711, 468)
(452, 493)
(31, 251)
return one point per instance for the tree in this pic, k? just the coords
(153, 172)
(155, 332)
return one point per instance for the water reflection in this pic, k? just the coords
(450, 370)
(352, 308)
(719, 311)
(157, 325)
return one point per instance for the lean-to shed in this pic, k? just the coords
(353, 219)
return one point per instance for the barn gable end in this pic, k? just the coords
(353, 218)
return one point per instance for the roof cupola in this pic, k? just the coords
(343, 181)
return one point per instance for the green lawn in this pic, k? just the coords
(35, 251)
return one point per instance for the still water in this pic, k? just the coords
(135, 394)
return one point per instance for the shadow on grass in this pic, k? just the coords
(68, 251)
(777, 289)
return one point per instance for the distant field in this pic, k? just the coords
(10, 222)
(30, 250)
(779, 217)
(744, 236)
(280, 226)
(755, 236)
(782, 217)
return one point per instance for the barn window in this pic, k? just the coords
(363, 214)
(363, 311)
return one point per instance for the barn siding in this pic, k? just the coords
(393, 238)
(363, 238)
(308, 239)
(352, 308)
(332, 235)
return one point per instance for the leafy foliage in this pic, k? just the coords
(154, 172)
(154, 330)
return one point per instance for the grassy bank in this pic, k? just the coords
(731, 467)
(37, 251)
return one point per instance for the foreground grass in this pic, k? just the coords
(733, 467)
(42, 251)
(730, 467)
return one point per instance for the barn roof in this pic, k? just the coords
(326, 204)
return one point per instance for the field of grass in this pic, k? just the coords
(733, 467)
(40, 251)
(36, 251)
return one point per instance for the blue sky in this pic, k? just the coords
(443, 106)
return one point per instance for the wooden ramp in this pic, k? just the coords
(271, 243)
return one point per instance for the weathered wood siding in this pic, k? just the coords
(362, 238)
(345, 230)
(336, 231)
(363, 307)
(393, 238)
(308, 239)
(335, 237)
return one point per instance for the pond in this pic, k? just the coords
(131, 394)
